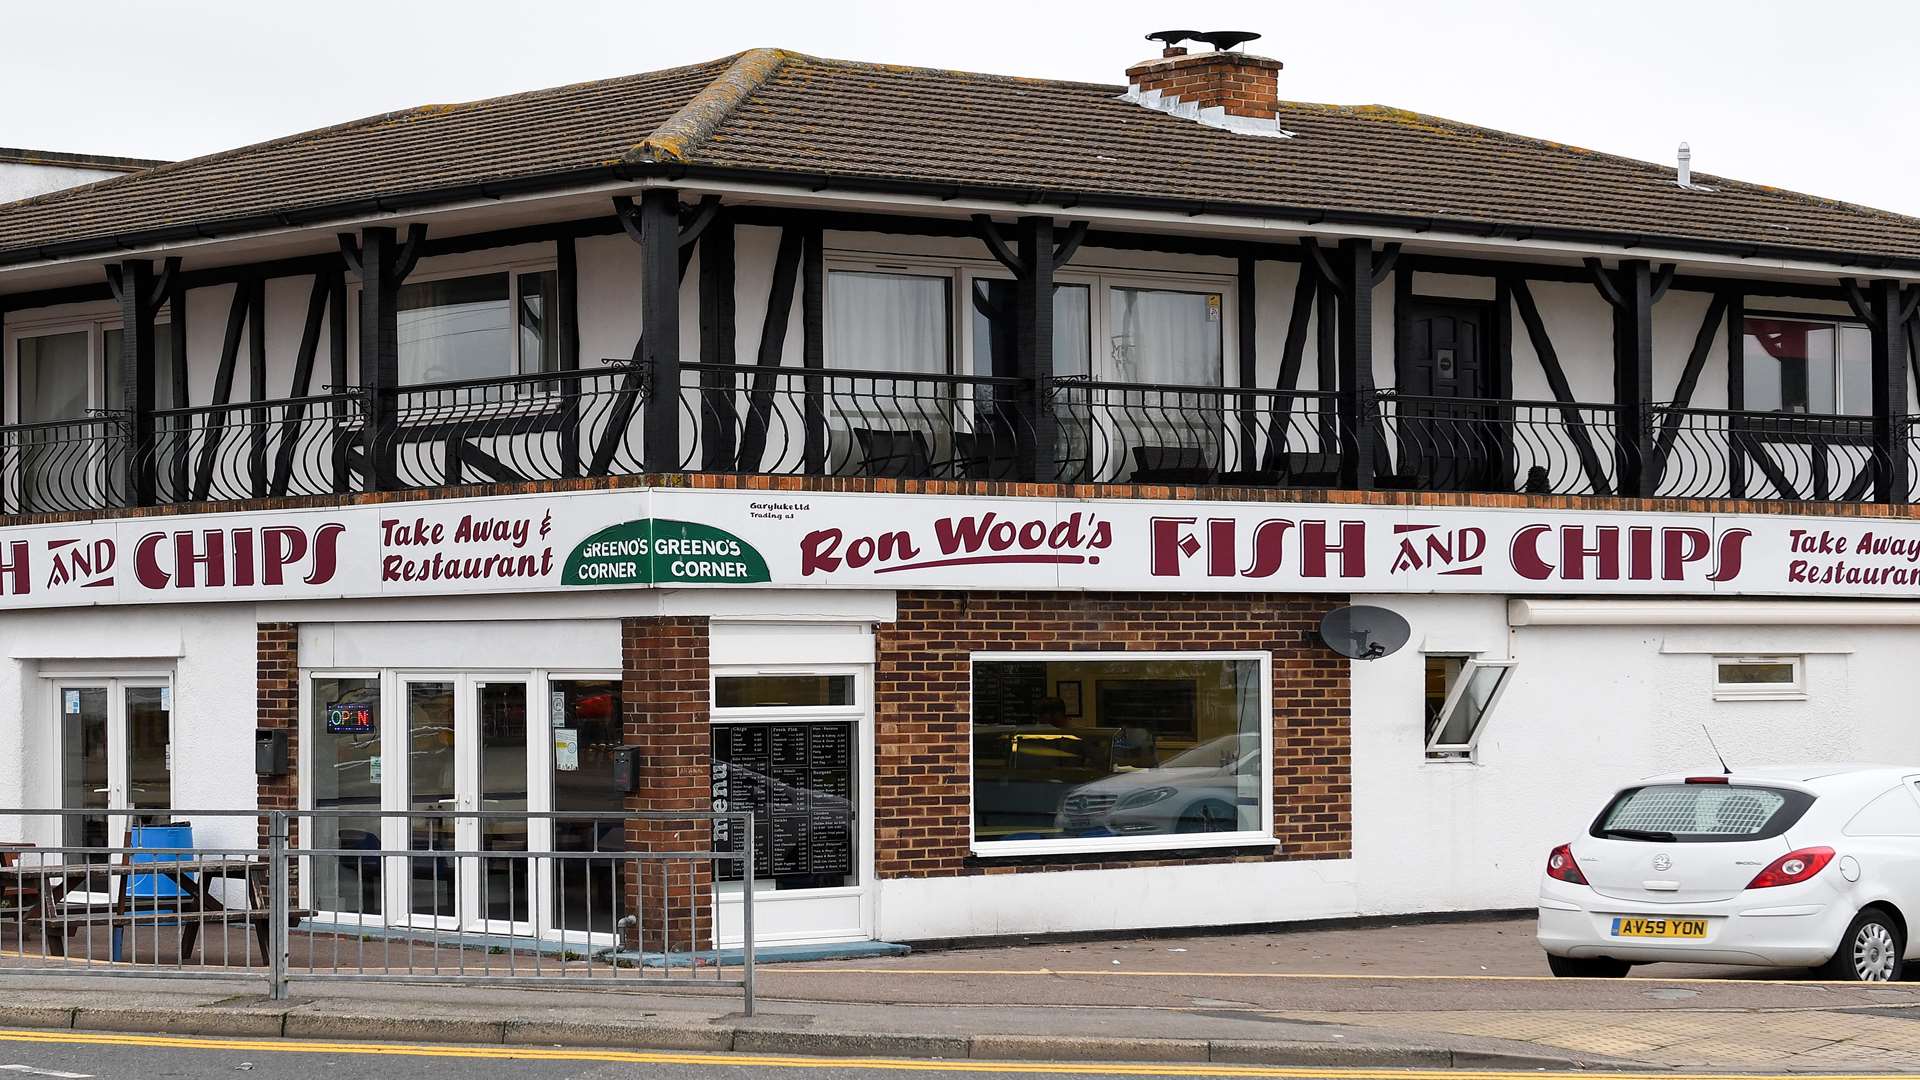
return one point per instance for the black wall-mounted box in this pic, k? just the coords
(626, 769)
(270, 751)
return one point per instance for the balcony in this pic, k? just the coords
(788, 421)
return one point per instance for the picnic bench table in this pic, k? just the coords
(189, 903)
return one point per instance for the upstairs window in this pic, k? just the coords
(1808, 366)
(888, 322)
(1167, 337)
(477, 327)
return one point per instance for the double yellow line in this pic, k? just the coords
(781, 1061)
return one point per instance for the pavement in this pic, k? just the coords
(1468, 995)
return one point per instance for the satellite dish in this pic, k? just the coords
(1360, 632)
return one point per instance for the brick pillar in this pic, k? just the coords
(277, 684)
(664, 701)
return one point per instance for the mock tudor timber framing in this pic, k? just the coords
(1346, 339)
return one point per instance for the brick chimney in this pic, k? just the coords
(1235, 83)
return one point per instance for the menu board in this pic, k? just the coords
(797, 780)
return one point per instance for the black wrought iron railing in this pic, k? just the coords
(1717, 453)
(1148, 433)
(255, 450)
(797, 421)
(64, 465)
(547, 426)
(804, 421)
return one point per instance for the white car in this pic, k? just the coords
(1815, 866)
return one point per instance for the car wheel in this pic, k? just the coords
(1209, 815)
(1869, 951)
(1595, 967)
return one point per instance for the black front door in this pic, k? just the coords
(1447, 425)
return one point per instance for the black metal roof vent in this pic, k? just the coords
(1226, 40)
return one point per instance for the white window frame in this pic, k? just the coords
(96, 329)
(1101, 281)
(1261, 835)
(1467, 751)
(1796, 690)
(1839, 325)
(859, 713)
(513, 269)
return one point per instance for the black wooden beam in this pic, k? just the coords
(337, 373)
(566, 344)
(181, 390)
(716, 411)
(215, 434)
(1632, 294)
(1280, 418)
(1355, 266)
(1246, 327)
(257, 387)
(1574, 422)
(658, 223)
(305, 360)
(377, 256)
(1889, 318)
(1710, 326)
(813, 347)
(1736, 391)
(1326, 355)
(997, 246)
(1033, 349)
(137, 289)
(773, 343)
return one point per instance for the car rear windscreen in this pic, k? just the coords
(1700, 813)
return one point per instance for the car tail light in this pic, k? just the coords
(1793, 868)
(1561, 867)
(1706, 779)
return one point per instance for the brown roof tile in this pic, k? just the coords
(769, 112)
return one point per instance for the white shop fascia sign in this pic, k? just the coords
(639, 538)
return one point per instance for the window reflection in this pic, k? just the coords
(1802, 366)
(1108, 748)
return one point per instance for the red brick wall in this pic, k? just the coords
(664, 698)
(1243, 85)
(277, 705)
(922, 797)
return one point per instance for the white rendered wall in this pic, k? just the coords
(210, 651)
(1223, 894)
(1590, 708)
(20, 180)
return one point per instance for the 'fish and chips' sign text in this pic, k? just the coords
(642, 538)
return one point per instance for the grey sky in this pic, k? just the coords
(1817, 99)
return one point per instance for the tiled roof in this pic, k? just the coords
(771, 114)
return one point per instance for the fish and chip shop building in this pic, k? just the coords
(954, 471)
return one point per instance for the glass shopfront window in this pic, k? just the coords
(1113, 751)
(343, 741)
(586, 732)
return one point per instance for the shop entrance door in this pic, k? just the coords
(115, 738)
(794, 748)
(462, 746)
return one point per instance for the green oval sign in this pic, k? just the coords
(657, 551)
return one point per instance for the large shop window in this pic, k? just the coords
(1807, 366)
(477, 327)
(1087, 753)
